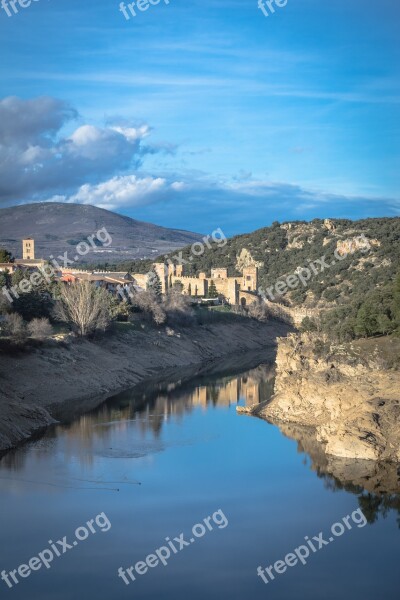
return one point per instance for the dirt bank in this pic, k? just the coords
(73, 377)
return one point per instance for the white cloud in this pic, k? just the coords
(121, 191)
(36, 160)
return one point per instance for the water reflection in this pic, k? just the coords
(131, 426)
(135, 418)
(376, 484)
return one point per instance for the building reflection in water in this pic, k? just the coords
(131, 425)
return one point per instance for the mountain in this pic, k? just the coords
(57, 227)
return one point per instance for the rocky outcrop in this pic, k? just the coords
(245, 260)
(352, 406)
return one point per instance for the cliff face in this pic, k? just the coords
(352, 406)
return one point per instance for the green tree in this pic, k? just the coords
(33, 305)
(385, 324)
(366, 321)
(396, 301)
(212, 290)
(5, 279)
(178, 286)
(5, 256)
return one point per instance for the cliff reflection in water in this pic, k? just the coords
(377, 485)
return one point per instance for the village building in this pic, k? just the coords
(28, 260)
(238, 290)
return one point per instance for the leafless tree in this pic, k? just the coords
(40, 329)
(83, 306)
(178, 309)
(15, 327)
(258, 311)
(148, 302)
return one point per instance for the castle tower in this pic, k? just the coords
(250, 279)
(219, 273)
(28, 249)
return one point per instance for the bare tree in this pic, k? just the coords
(40, 329)
(178, 309)
(15, 327)
(258, 311)
(83, 306)
(148, 302)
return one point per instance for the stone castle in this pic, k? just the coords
(234, 290)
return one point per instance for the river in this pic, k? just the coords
(152, 463)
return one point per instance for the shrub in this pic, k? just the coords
(258, 311)
(148, 303)
(15, 327)
(40, 329)
(178, 309)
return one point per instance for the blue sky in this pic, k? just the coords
(206, 113)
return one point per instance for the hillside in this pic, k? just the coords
(58, 227)
(363, 281)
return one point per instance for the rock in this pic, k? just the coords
(352, 408)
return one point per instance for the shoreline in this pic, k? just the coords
(57, 383)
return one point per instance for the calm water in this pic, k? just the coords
(177, 453)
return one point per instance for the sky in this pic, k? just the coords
(204, 113)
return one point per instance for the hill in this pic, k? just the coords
(58, 227)
(353, 295)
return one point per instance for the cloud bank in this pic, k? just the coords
(36, 159)
(48, 154)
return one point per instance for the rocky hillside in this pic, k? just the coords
(347, 395)
(280, 249)
(349, 284)
(58, 227)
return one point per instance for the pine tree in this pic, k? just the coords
(212, 290)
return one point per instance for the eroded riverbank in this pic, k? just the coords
(71, 378)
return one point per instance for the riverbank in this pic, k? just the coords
(348, 395)
(72, 377)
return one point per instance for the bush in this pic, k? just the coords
(258, 311)
(148, 303)
(40, 329)
(178, 309)
(15, 327)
